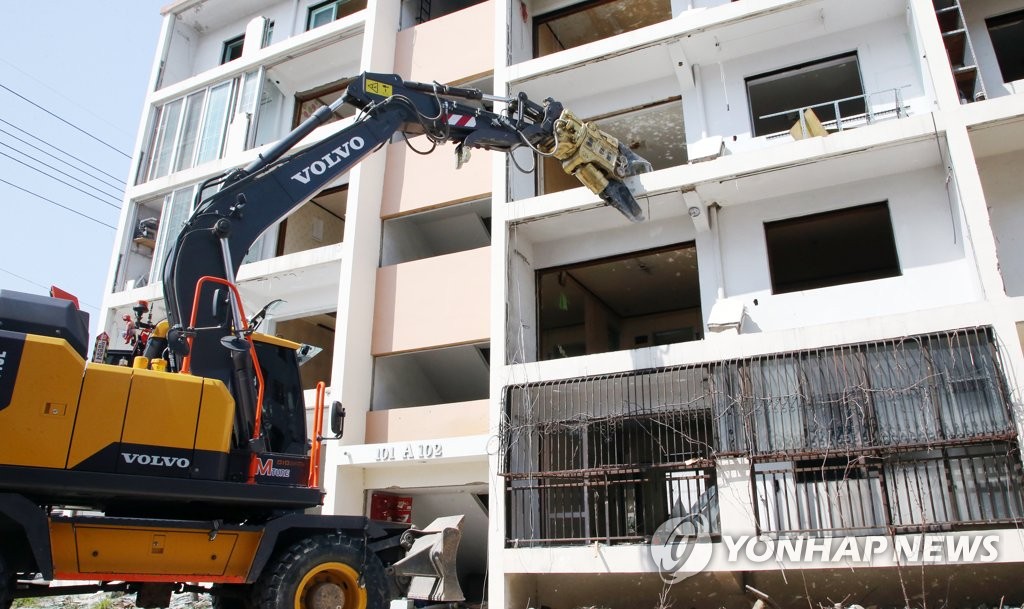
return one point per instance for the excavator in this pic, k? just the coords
(193, 469)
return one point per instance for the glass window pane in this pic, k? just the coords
(189, 131)
(163, 141)
(215, 123)
(322, 15)
(176, 210)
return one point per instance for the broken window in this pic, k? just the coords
(778, 98)
(1007, 34)
(655, 132)
(831, 248)
(625, 302)
(594, 20)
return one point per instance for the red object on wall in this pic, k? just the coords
(392, 508)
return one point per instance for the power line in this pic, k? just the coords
(120, 183)
(65, 97)
(45, 287)
(74, 211)
(116, 197)
(66, 122)
(69, 185)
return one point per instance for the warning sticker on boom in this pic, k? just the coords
(378, 88)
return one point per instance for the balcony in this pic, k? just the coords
(427, 422)
(913, 433)
(433, 302)
(417, 182)
(440, 49)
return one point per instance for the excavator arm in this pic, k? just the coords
(245, 202)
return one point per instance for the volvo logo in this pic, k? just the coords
(135, 458)
(329, 160)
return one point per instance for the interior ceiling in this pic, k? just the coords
(607, 19)
(1000, 137)
(645, 284)
(317, 68)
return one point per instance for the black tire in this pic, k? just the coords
(323, 572)
(6, 585)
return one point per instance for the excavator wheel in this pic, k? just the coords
(6, 585)
(323, 572)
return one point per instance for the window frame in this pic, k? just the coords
(238, 42)
(314, 10)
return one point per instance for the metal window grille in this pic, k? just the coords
(610, 457)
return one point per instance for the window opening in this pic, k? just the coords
(800, 86)
(655, 131)
(618, 303)
(232, 49)
(1007, 34)
(326, 12)
(831, 248)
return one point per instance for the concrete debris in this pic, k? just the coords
(108, 600)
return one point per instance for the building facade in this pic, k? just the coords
(813, 336)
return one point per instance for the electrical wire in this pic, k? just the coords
(65, 121)
(66, 98)
(120, 184)
(115, 197)
(60, 180)
(45, 287)
(74, 211)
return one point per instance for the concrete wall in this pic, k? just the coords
(425, 422)
(432, 302)
(416, 182)
(934, 269)
(451, 49)
(883, 51)
(1001, 181)
(299, 231)
(976, 11)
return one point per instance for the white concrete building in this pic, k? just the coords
(812, 336)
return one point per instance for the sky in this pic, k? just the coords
(86, 63)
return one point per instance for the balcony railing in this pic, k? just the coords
(921, 491)
(877, 107)
(840, 438)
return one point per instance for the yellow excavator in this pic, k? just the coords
(193, 469)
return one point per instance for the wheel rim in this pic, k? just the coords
(331, 585)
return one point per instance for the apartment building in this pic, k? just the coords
(815, 334)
